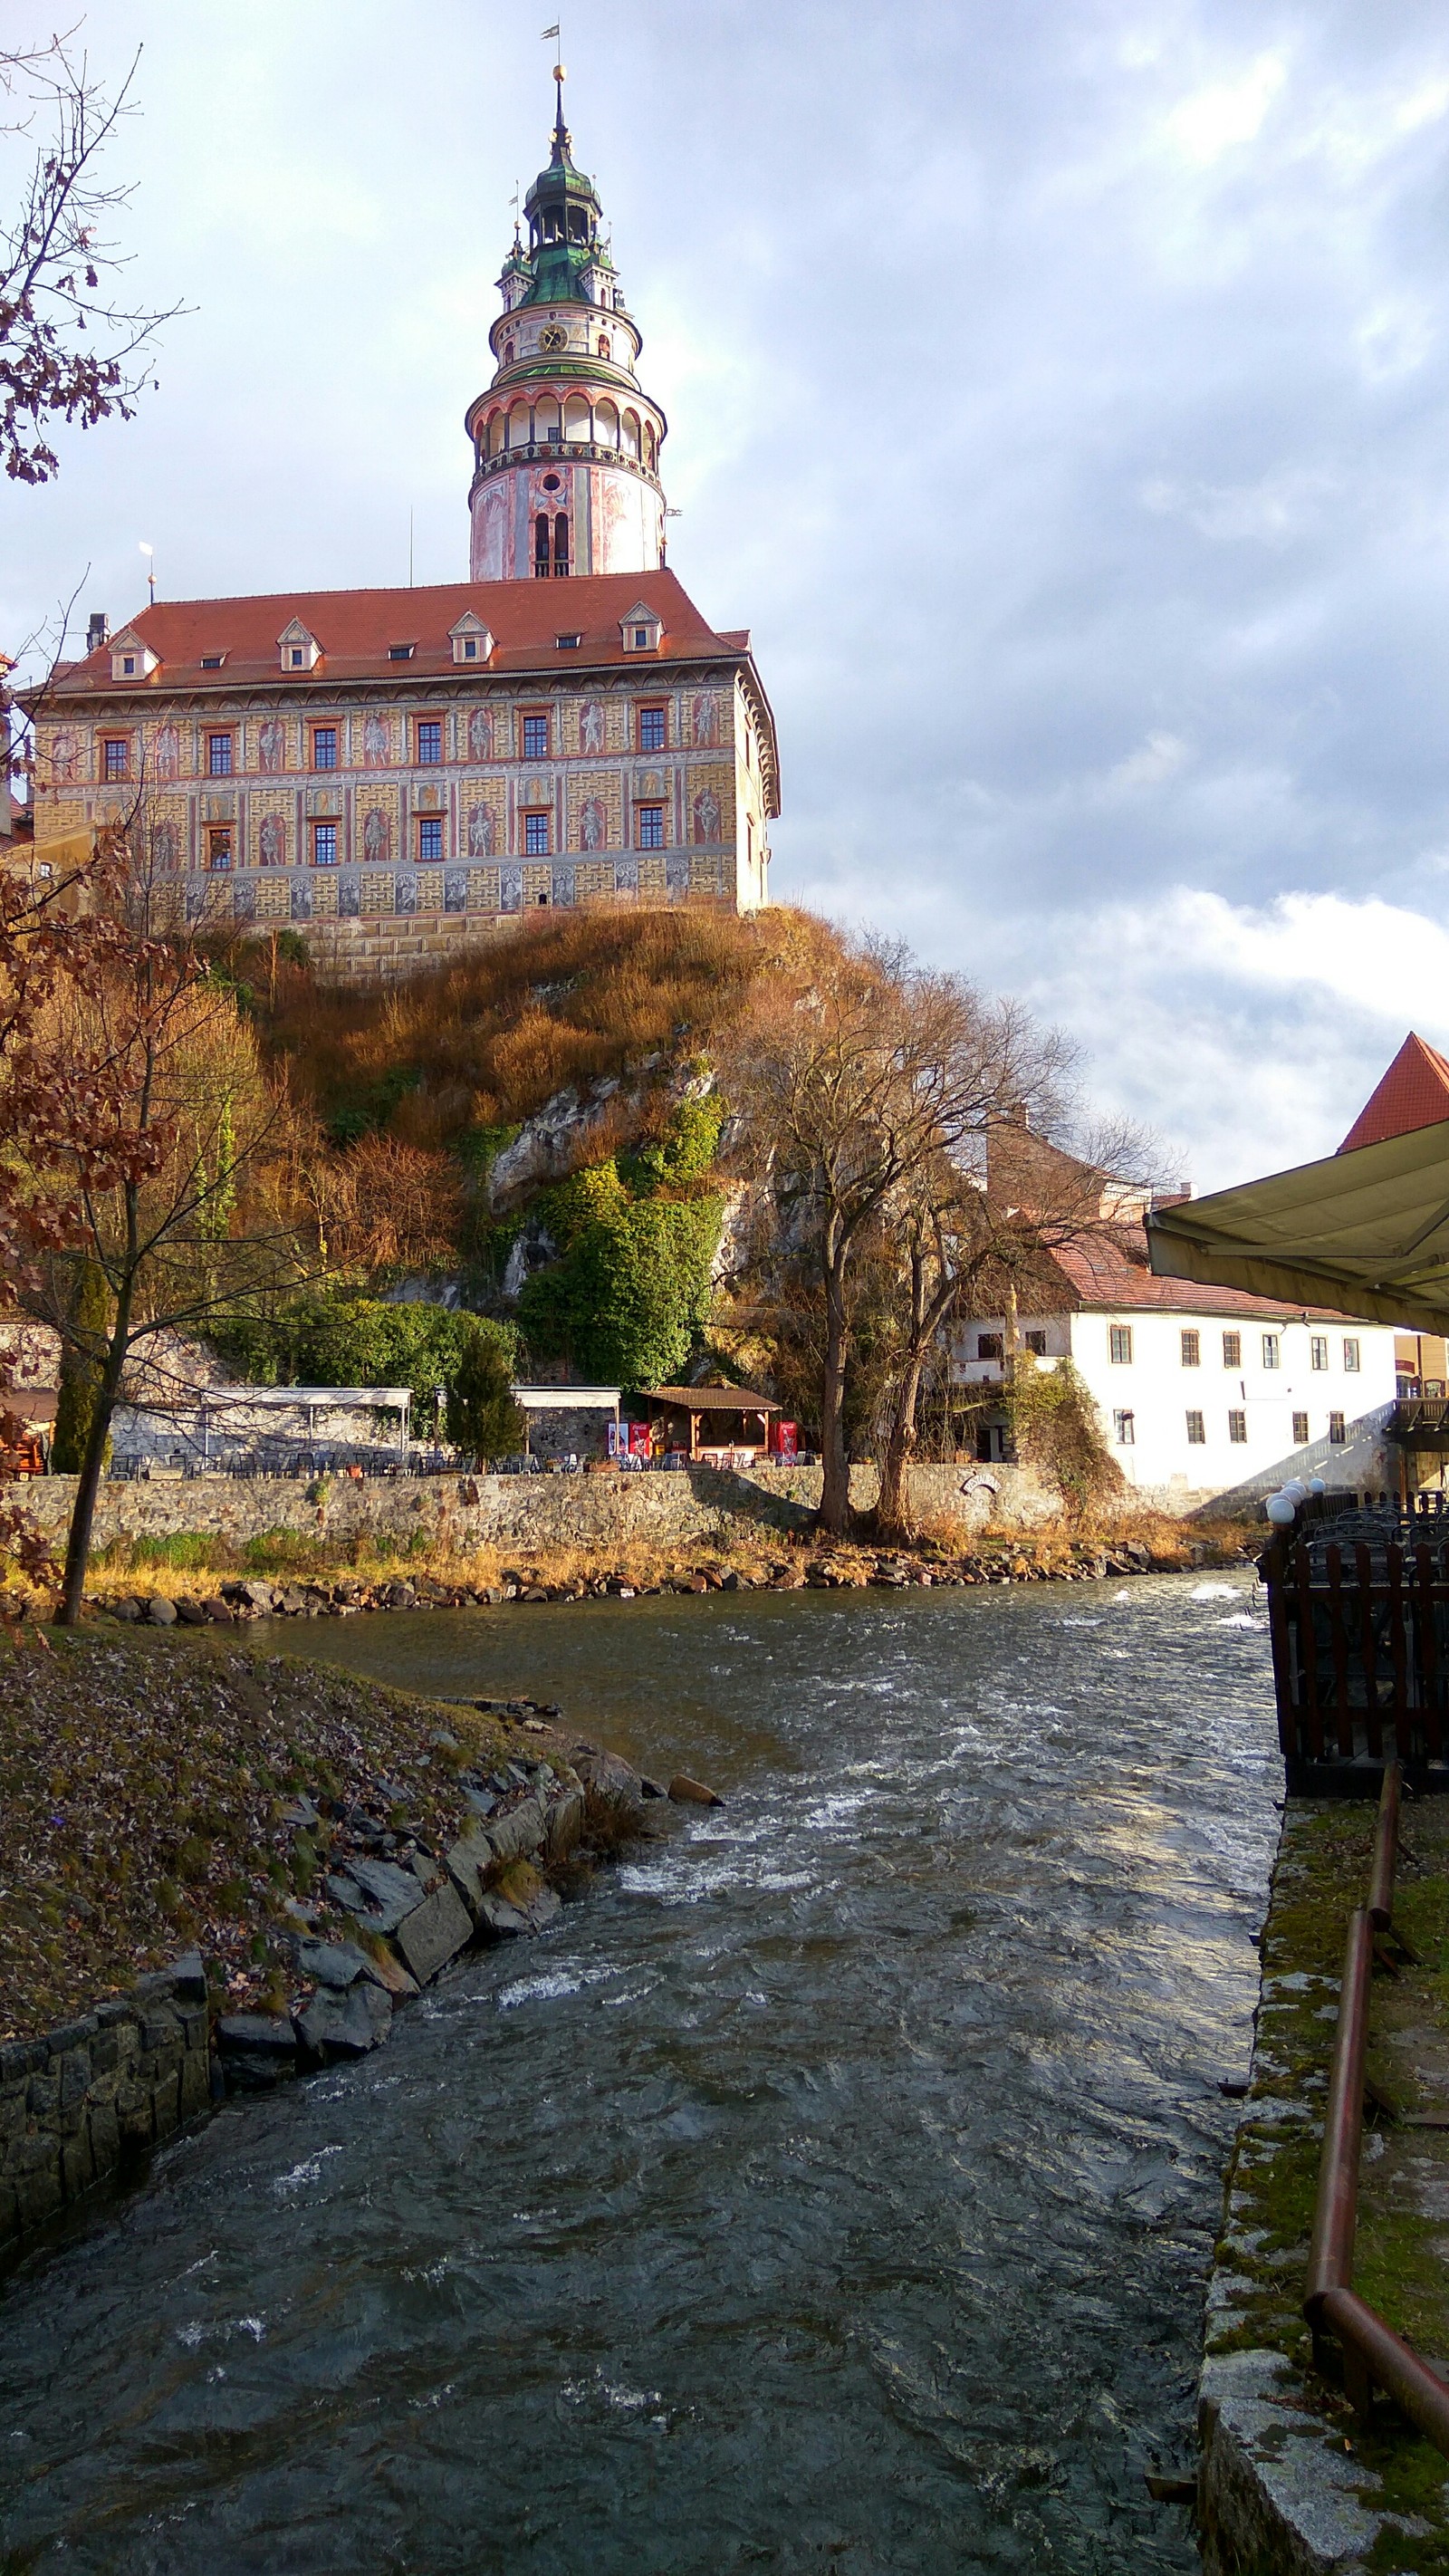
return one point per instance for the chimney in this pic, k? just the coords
(99, 630)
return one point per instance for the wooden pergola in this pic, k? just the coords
(726, 1412)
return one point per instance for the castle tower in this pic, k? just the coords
(566, 447)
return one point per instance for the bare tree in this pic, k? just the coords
(176, 1197)
(71, 346)
(848, 1095)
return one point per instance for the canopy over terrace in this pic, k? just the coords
(213, 1403)
(714, 1417)
(1365, 1231)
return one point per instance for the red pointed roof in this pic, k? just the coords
(1413, 1093)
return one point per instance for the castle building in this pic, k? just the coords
(401, 772)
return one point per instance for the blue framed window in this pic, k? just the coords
(324, 746)
(535, 836)
(651, 728)
(535, 737)
(430, 837)
(651, 827)
(324, 845)
(218, 755)
(430, 743)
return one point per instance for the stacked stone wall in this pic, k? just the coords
(84, 2101)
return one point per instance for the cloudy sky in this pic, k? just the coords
(1059, 391)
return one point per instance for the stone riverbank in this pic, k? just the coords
(1291, 2483)
(333, 1846)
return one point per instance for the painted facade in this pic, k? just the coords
(566, 444)
(400, 772)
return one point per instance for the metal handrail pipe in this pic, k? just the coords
(1335, 2215)
(1390, 2362)
(1386, 1850)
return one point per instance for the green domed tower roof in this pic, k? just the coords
(563, 212)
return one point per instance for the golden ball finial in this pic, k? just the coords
(559, 73)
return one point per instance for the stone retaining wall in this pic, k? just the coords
(694, 1507)
(82, 2102)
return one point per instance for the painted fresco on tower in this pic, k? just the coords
(706, 815)
(376, 838)
(168, 752)
(591, 728)
(480, 832)
(272, 744)
(480, 734)
(593, 823)
(376, 740)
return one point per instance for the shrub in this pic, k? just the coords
(482, 1416)
(284, 1551)
(339, 1338)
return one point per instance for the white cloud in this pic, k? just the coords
(1208, 124)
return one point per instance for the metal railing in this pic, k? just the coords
(1373, 2355)
(1358, 1614)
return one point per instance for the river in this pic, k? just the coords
(832, 2189)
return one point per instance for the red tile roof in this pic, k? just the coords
(1413, 1093)
(356, 627)
(1113, 1271)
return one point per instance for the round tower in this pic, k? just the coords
(565, 446)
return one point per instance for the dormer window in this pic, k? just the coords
(643, 629)
(131, 657)
(212, 661)
(568, 643)
(298, 647)
(401, 652)
(471, 640)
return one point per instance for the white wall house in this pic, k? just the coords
(1203, 1394)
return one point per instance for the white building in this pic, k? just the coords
(1203, 1394)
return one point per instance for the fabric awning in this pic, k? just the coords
(1364, 1233)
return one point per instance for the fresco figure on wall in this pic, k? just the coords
(272, 743)
(480, 832)
(376, 838)
(706, 722)
(593, 823)
(349, 896)
(510, 889)
(375, 744)
(455, 890)
(163, 848)
(168, 752)
(480, 734)
(406, 897)
(272, 841)
(63, 759)
(706, 815)
(591, 728)
(626, 875)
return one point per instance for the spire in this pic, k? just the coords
(562, 139)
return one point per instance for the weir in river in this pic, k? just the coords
(834, 2187)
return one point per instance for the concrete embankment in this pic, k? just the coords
(1291, 2479)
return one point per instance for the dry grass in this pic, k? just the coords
(561, 1000)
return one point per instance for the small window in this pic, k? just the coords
(1119, 1342)
(651, 728)
(651, 827)
(1125, 1425)
(988, 1346)
(116, 761)
(1350, 1354)
(1337, 1430)
(1318, 1351)
(1271, 1350)
(1238, 1429)
(324, 845)
(1036, 1344)
(212, 661)
(430, 837)
(218, 755)
(299, 657)
(641, 639)
(1300, 1430)
(535, 835)
(535, 737)
(324, 746)
(1196, 1433)
(568, 643)
(1232, 1350)
(218, 847)
(470, 647)
(401, 652)
(430, 743)
(1191, 1349)
(128, 665)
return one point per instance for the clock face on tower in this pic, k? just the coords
(553, 338)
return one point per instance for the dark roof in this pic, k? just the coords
(355, 629)
(712, 1399)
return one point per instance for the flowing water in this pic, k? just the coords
(832, 2189)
